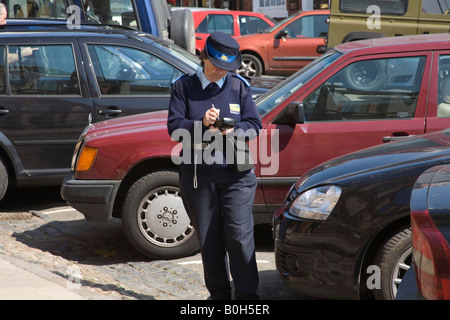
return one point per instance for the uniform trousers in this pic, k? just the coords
(220, 209)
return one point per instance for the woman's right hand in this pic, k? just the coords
(210, 116)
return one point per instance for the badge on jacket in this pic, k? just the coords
(235, 108)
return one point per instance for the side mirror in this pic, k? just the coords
(281, 34)
(322, 49)
(293, 114)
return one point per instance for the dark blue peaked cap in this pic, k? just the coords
(223, 51)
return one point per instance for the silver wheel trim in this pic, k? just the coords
(402, 265)
(162, 218)
(248, 68)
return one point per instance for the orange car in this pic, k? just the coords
(234, 23)
(286, 47)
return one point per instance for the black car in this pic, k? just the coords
(344, 229)
(430, 225)
(54, 82)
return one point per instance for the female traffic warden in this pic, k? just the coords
(217, 196)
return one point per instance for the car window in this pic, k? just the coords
(189, 58)
(37, 8)
(313, 26)
(43, 70)
(281, 22)
(111, 12)
(397, 7)
(369, 89)
(2, 71)
(203, 26)
(271, 99)
(119, 12)
(436, 6)
(217, 22)
(443, 109)
(124, 70)
(250, 24)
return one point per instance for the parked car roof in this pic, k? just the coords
(401, 43)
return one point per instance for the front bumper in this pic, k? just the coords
(315, 259)
(93, 198)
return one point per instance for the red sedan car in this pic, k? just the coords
(286, 47)
(356, 95)
(234, 23)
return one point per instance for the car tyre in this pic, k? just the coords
(154, 219)
(394, 259)
(251, 66)
(182, 29)
(368, 75)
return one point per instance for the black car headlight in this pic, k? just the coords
(316, 203)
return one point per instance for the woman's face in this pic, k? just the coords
(3, 17)
(213, 73)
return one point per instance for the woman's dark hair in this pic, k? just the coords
(203, 56)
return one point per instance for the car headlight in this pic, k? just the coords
(315, 203)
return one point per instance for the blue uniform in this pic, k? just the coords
(220, 206)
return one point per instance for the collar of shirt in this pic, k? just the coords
(205, 80)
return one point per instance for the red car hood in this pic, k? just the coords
(145, 121)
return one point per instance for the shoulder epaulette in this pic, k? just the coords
(247, 84)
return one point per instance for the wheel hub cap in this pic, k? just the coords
(163, 219)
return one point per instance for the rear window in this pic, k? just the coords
(216, 22)
(396, 7)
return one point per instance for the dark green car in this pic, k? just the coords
(352, 20)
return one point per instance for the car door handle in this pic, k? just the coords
(109, 112)
(397, 136)
(3, 111)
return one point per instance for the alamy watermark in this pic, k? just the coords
(374, 21)
(74, 18)
(74, 277)
(374, 280)
(264, 150)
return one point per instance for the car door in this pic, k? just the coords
(366, 101)
(44, 104)
(299, 46)
(438, 112)
(127, 79)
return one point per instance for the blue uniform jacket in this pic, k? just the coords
(189, 102)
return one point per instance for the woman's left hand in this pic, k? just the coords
(217, 130)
